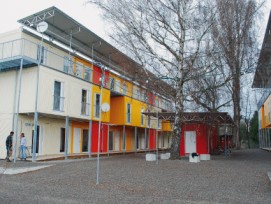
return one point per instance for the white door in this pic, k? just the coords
(142, 141)
(117, 141)
(76, 140)
(190, 141)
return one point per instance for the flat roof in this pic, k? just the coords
(66, 30)
(219, 118)
(262, 77)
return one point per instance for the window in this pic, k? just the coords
(62, 139)
(142, 116)
(159, 124)
(66, 65)
(97, 106)
(79, 69)
(41, 54)
(58, 104)
(117, 88)
(112, 83)
(128, 117)
(85, 102)
(87, 74)
(138, 94)
(124, 88)
(149, 121)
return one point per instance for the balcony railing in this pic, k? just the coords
(85, 108)
(58, 103)
(13, 51)
(97, 111)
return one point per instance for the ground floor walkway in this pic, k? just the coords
(241, 177)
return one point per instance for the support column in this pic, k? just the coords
(123, 140)
(89, 138)
(67, 131)
(108, 140)
(136, 139)
(18, 110)
(157, 126)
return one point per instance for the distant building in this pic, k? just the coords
(262, 80)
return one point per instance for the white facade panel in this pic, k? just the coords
(72, 93)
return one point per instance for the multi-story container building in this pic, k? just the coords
(262, 80)
(65, 88)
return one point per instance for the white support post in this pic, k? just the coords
(67, 138)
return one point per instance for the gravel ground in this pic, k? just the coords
(240, 178)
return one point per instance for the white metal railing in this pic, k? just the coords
(58, 103)
(27, 49)
(85, 107)
(19, 48)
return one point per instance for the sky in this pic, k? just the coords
(86, 14)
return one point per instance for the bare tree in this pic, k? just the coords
(211, 90)
(233, 33)
(165, 37)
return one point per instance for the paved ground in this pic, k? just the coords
(241, 178)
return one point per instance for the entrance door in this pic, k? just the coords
(76, 140)
(190, 141)
(37, 141)
(85, 141)
(117, 141)
(142, 141)
(111, 141)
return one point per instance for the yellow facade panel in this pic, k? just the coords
(105, 99)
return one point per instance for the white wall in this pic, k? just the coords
(11, 35)
(72, 93)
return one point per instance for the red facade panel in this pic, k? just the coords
(152, 138)
(202, 140)
(103, 137)
(97, 74)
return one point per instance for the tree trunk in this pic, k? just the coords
(236, 108)
(177, 130)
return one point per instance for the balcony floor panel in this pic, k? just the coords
(15, 62)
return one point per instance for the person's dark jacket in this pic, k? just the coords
(9, 141)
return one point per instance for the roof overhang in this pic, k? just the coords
(66, 30)
(262, 77)
(215, 118)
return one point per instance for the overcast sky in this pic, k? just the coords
(86, 14)
(13, 10)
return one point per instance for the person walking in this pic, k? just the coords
(9, 145)
(23, 147)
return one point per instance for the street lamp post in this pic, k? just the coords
(100, 120)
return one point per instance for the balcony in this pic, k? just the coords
(12, 52)
(85, 107)
(58, 103)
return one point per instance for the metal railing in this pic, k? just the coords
(85, 108)
(58, 103)
(61, 61)
(19, 48)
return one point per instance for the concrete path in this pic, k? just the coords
(20, 170)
